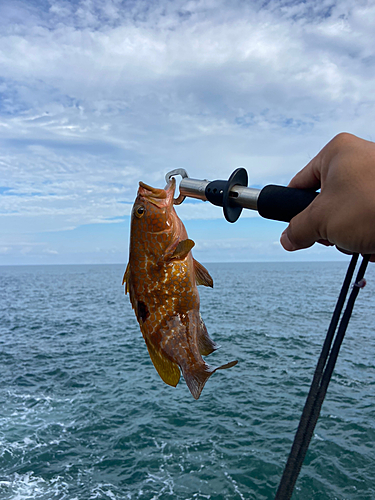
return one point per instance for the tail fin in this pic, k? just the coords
(195, 380)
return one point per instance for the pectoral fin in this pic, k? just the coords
(169, 372)
(182, 249)
(125, 279)
(177, 251)
(202, 276)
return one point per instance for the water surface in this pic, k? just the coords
(84, 415)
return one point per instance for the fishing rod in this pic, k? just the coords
(272, 202)
(283, 203)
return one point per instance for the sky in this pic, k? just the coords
(96, 95)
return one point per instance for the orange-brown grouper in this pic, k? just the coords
(162, 278)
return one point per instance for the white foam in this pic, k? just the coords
(22, 486)
(104, 489)
(235, 486)
(167, 482)
(25, 486)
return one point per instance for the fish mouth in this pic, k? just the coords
(156, 196)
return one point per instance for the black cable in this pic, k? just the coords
(320, 381)
(291, 465)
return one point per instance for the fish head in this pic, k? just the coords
(153, 210)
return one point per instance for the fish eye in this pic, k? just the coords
(139, 212)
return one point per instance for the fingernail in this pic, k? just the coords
(286, 243)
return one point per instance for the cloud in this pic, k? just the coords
(97, 95)
(51, 191)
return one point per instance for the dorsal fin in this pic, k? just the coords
(202, 276)
(168, 370)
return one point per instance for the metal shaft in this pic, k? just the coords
(194, 188)
(242, 196)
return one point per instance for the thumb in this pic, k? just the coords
(304, 229)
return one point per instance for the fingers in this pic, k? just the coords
(344, 210)
(308, 227)
(286, 243)
(309, 177)
(304, 229)
(312, 176)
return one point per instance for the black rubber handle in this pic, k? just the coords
(283, 203)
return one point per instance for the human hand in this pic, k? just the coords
(343, 213)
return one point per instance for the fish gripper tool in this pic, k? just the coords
(271, 202)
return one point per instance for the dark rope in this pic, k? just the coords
(321, 379)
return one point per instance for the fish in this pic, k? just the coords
(161, 279)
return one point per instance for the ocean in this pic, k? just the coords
(84, 415)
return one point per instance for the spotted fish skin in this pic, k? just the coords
(161, 279)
